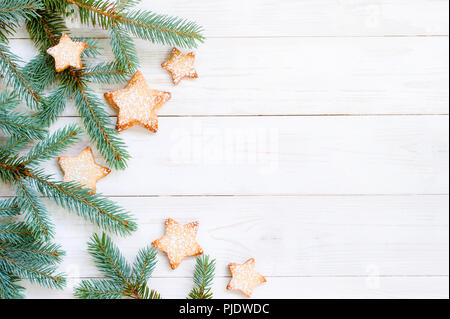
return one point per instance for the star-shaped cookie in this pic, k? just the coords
(83, 169)
(244, 277)
(67, 53)
(137, 104)
(179, 242)
(181, 66)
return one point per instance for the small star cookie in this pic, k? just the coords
(181, 66)
(179, 242)
(67, 53)
(137, 104)
(245, 278)
(83, 169)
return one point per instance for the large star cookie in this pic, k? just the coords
(244, 277)
(83, 169)
(181, 66)
(179, 242)
(137, 104)
(67, 53)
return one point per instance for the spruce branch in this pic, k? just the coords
(203, 278)
(143, 24)
(104, 73)
(36, 215)
(41, 72)
(55, 106)
(31, 270)
(99, 126)
(123, 49)
(53, 145)
(20, 125)
(15, 232)
(121, 280)
(100, 210)
(15, 77)
(74, 84)
(12, 146)
(8, 287)
(9, 208)
(12, 12)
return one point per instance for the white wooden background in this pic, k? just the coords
(315, 140)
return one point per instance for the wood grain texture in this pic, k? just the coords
(353, 205)
(302, 288)
(288, 18)
(299, 76)
(281, 155)
(322, 236)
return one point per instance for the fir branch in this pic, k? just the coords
(8, 208)
(98, 289)
(56, 103)
(15, 232)
(8, 287)
(99, 127)
(20, 125)
(12, 12)
(11, 146)
(36, 215)
(104, 73)
(94, 207)
(203, 278)
(39, 252)
(109, 260)
(52, 145)
(16, 78)
(121, 279)
(41, 72)
(32, 270)
(46, 30)
(143, 266)
(92, 46)
(8, 101)
(143, 24)
(123, 49)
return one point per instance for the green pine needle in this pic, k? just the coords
(124, 49)
(52, 145)
(121, 279)
(36, 215)
(12, 12)
(15, 76)
(9, 208)
(100, 129)
(203, 278)
(20, 125)
(104, 73)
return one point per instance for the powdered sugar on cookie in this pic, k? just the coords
(181, 66)
(83, 169)
(137, 104)
(67, 53)
(179, 242)
(244, 277)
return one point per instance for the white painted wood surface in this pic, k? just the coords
(353, 205)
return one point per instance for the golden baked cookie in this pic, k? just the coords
(67, 53)
(244, 277)
(137, 104)
(181, 66)
(179, 242)
(83, 169)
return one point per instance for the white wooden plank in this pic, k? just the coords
(292, 288)
(288, 236)
(300, 76)
(281, 155)
(274, 18)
